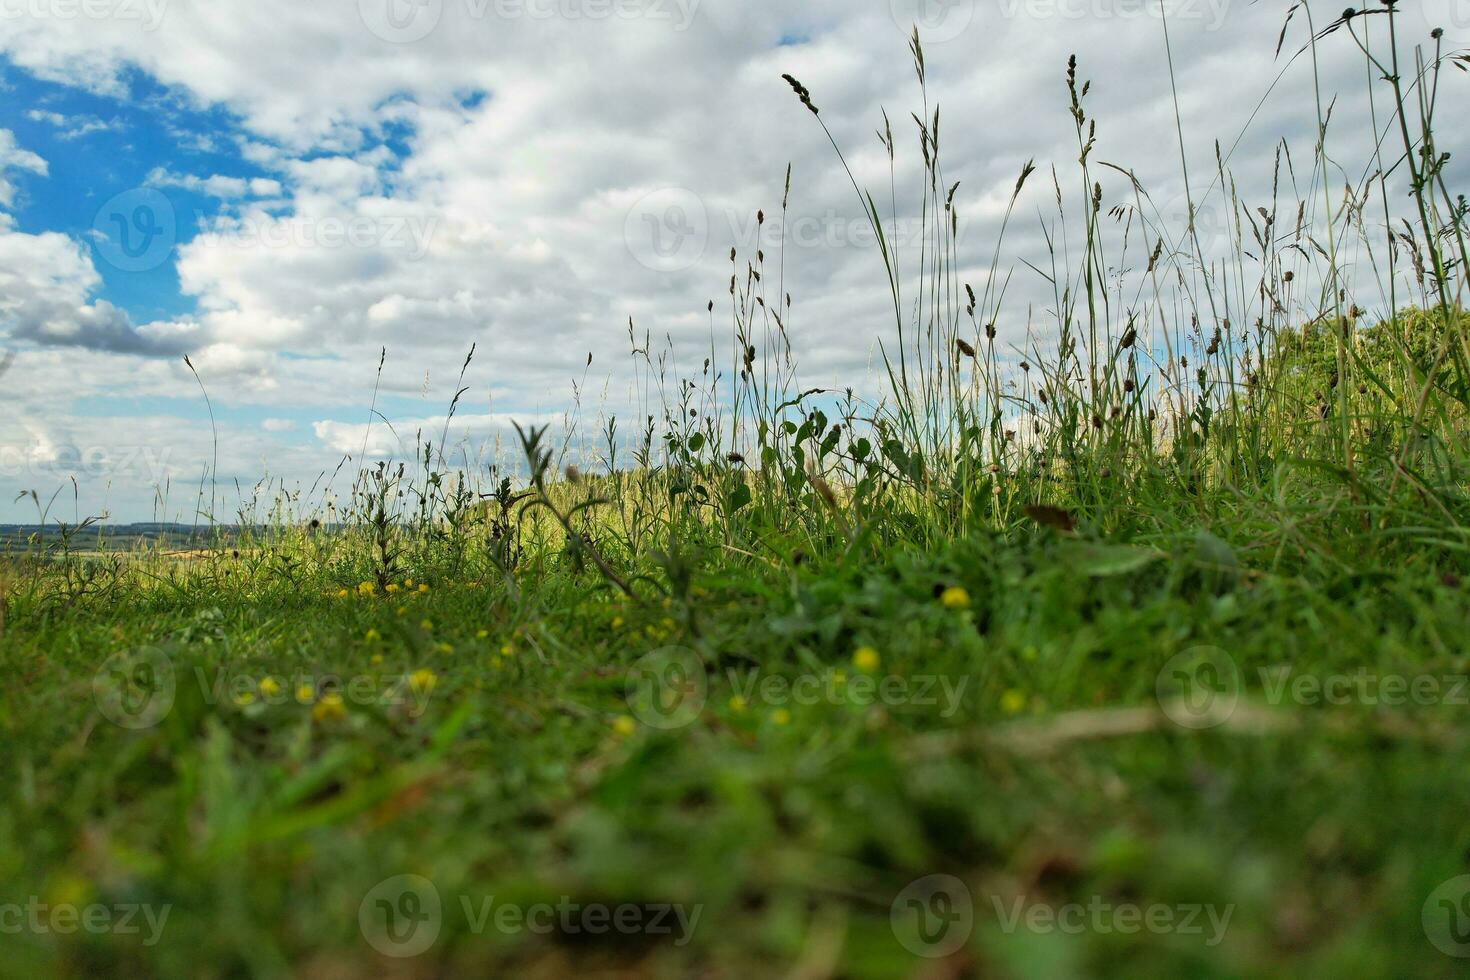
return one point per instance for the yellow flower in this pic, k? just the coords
(373, 636)
(506, 650)
(955, 597)
(445, 648)
(866, 659)
(244, 698)
(391, 588)
(343, 593)
(329, 708)
(269, 688)
(781, 716)
(737, 705)
(426, 624)
(408, 583)
(423, 587)
(1012, 701)
(624, 726)
(366, 588)
(377, 659)
(482, 635)
(305, 693)
(423, 681)
(617, 622)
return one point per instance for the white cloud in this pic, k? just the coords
(13, 157)
(73, 127)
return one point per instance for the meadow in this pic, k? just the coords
(1130, 644)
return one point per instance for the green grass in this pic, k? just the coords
(1144, 635)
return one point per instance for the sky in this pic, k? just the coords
(281, 190)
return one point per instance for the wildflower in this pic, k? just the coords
(954, 597)
(343, 593)
(506, 650)
(781, 716)
(426, 625)
(329, 708)
(244, 699)
(373, 636)
(391, 588)
(737, 705)
(423, 681)
(269, 688)
(866, 659)
(482, 635)
(305, 694)
(377, 660)
(408, 583)
(617, 622)
(624, 726)
(1012, 702)
(423, 588)
(445, 647)
(366, 588)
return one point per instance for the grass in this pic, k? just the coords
(1134, 649)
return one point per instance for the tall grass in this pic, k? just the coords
(1173, 385)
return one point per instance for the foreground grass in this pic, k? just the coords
(507, 763)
